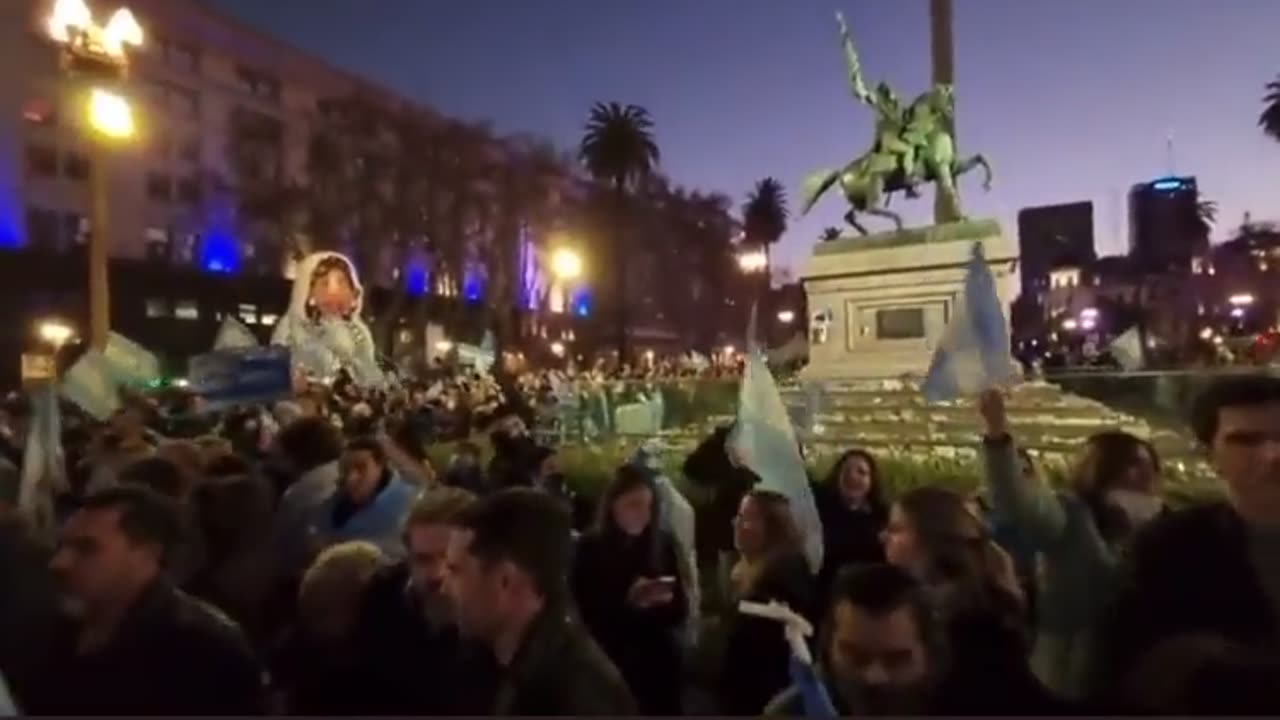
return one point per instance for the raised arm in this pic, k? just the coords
(1026, 502)
(852, 65)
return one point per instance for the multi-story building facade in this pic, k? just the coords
(1226, 294)
(1050, 236)
(200, 83)
(1165, 231)
(198, 75)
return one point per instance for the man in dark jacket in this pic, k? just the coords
(419, 666)
(1229, 549)
(134, 644)
(508, 580)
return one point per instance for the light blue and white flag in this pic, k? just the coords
(766, 442)
(1127, 350)
(973, 354)
(129, 361)
(92, 385)
(480, 357)
(43, 463)
(233, 335)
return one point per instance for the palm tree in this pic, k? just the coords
(1206, 216)
(1269, 120)
(765, 214)
(618, 148)
(764, 220)
(830, 233)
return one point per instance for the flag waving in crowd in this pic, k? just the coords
(766, 442)
(973, 354)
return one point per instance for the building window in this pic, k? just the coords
(186, 310)
(185, 252)
(39, 111)
(42, 228)
(42, 161)
(268, 319)
(159, 187)
(258, 84)
(179, 55)
(75, 166)
(189, 191)
(157, 307)
(178, 100)
(76, 228)
(249, 313)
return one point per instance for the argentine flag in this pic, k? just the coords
(92, 385)
(129, 362)
(1127, 350)
(973, 354)
(766, 442)
(481, 358)
(233, 335)
(43, 465)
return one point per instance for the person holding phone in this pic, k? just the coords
(626, 581)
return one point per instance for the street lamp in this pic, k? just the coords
(56, 333)
(786, 317)
(752, 261)
(110, 114)
(566, 264)
(98, 55)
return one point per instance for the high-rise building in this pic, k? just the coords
(1050, 236)
(1165, 231)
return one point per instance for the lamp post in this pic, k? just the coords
(97, 55)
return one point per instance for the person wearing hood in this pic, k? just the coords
(1082, 536)
(370, 504)
(677, 517)
(322, 327)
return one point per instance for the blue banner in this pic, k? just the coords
(241, 376)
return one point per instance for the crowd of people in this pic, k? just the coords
(309, 559)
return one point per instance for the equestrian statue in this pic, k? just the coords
(912, 145)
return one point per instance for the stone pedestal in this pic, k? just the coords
(878, 304)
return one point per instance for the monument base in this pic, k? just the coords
(880, 303)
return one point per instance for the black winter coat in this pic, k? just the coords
(643, 643)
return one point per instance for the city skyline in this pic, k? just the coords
(747, 89)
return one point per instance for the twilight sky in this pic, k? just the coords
(1070, 100)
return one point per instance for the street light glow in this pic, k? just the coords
(121, 30)
(752, 261)
(566, 264)
(443, 346)
(1241, 299)
(69, 17)
(110, 114)
(786, 316)
(55, 333)
(557, 349)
